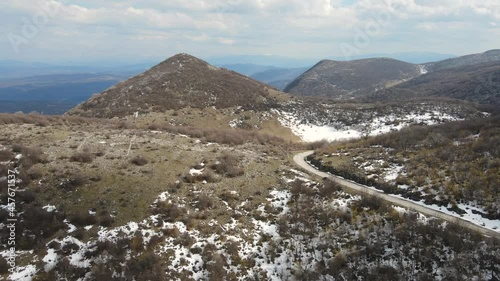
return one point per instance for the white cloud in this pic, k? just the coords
(226, 41)
(266, 26)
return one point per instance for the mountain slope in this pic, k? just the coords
(344, 80)
(478, 83)
(474, 59)
(180, 81)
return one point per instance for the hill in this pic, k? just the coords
(344, 80)
(486, 57)
(477, 83)
(178, 82)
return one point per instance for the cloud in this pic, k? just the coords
(226, 41)
(313, 28)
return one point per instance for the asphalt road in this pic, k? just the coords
(300, 161)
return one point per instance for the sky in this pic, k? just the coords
(63, 31)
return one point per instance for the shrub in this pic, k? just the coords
(31, 156)
(371, 202)
(102, 272)
(317, 144)
(82, 218)
(74, 182)
(339, 261)
(4, 266)
(18, 148)
(328, 188)
(82, 157)
(125, 125)
(204, 202)
(216, 267)
(26, 196)
(227, 165)
(185, 240)
(209, 176)
(231, 137)
(137, 243)
(37, 224)
(5, 155)
(146, 266)
(153, 127)
(139, 161)
(106, 220)
(299, 188)
(169, 211)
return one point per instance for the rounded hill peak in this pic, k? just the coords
(180, 81)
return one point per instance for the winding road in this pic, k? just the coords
(299, 159)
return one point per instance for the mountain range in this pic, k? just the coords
(189, 171)
(472, 77)
(23, 88)
(186, 81)
(478, 83)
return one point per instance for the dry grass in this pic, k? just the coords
(46, 120)
(227, 136)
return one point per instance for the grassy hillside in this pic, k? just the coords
(104, 200)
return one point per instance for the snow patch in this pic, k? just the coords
(49, 208)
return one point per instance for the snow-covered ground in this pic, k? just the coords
(310, 132)
(260, 247)
(392, 172)
(469, 216)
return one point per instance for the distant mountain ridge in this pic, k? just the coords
(473, 78)
(279, 77)
(248, 69)
(478, 83)
(349, 79)
(180, 81)
(486, 57)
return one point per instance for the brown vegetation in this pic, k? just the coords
(176, 83)
(458, 161)
(226, 136)
(83, 157)
(476, 83)
(47, 120)
(228, 165)
(345, 79)
(139, 161)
